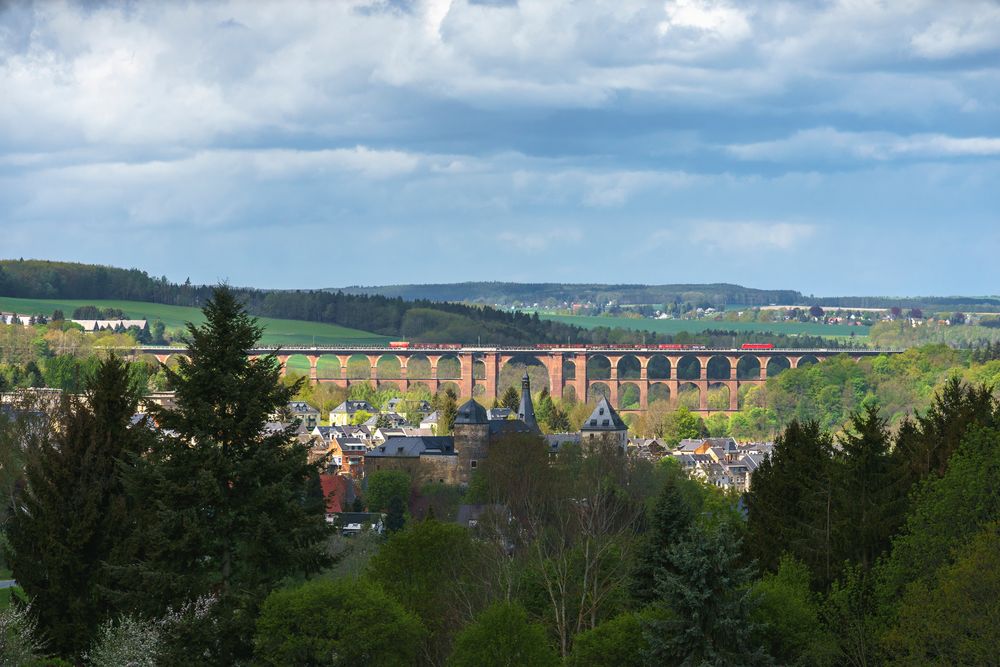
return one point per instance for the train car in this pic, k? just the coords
(757, 346)
(669, 346)
(399, 344)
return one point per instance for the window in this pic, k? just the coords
(473, 465)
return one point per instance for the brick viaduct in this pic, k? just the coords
(649, 370)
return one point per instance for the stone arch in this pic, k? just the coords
(418, 367)
(596, 390)
(296, 364)
(389, 367)
(328, 367)
(807, 360)
(718, 396)
(658, 368)
(479, 370)
(659, 391)
(569, 370)
(569, 393)
(598, 367)
(449, 367)
(512, 371)
(719, 368)
(629, 396)
(748, 367)
(689, 395)
(419, 390)
(359, 367)
(629, 368)
(449, 384)
(777, 365)
(688, 368)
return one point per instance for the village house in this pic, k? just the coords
(305, 412)
(344, 414)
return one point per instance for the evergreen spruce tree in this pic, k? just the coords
(790, 505)
(670, 523)
(511, 399)
(447, 411)
(228, 507)
(706, 604)
(868, 511)
(72, 514)
(395, 517)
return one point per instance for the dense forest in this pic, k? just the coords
(204, 542)
(418, 320)
(719, 294)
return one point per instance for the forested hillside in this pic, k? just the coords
(418, 320)
(719, 294)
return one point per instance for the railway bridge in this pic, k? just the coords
(643, 374)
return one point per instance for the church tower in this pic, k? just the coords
(526, 410)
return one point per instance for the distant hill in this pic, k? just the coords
(419, 319)
(554, 294)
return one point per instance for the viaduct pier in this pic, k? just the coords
(644, 374)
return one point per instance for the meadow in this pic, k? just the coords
(276, 331)
(697, 326)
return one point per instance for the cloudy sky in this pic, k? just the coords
(831, 147)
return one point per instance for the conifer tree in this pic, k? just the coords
(790, 505)
(707, 605)
(510, 399)
(868, 512)
(672, 518)
(229, 509)
(72, 514)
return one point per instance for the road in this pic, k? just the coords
(9, 583)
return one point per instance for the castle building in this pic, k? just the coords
(453, 459)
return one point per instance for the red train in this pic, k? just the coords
(757, 346)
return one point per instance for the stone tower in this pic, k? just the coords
(472, 437)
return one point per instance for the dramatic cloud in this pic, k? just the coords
(304, 143)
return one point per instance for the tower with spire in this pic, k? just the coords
(526, 409)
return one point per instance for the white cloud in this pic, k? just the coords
(828, 143)
(535, 241)
(741, 236)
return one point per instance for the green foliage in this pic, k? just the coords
(671, 519)
(946, 512)
(619, 642)
(429, 567)
(511, 399)
(346, 622)
(225, 505)
(708, 604)
(950, 619)
(72, 513)
(385, 485)
(789, 614)
(446, 404)
(869, 503)
(501, 636)
(789, 505)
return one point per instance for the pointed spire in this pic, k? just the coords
(526, 410)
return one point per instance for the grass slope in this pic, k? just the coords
(276, 332)
(696, 326)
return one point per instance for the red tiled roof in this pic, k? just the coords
(335, 490)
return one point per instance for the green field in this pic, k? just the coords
(276, 332)
(697, 326)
